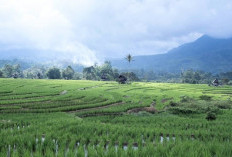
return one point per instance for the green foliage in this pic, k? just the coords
(54, 73)
(211, 116)
(104, 72)
(8, 70)
(68, 73)
(195, 77)
(90, 73)
(173, 104)
(198, 106)
(205, 97)
(130, 76)
(35, 72)
(77, 76)
(1, 74)
(185, 98)
(12, 70)
(225, 81)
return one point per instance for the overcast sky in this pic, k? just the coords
(88, 31)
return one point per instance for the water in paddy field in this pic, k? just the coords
(125, 147)
(86, 151)
(161, 139)
(135, 147)
(116, 147)
(8, 153)
(43, 139)
(85, 147)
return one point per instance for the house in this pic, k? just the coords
(215, 82)
(122, 79)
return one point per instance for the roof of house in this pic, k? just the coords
(216, 81)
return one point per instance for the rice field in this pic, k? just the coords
(93, 118)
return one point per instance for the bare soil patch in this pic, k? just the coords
(63, 92)
(97, 108)
(150, 109)
(166, 99)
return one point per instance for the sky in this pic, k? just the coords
(89, 31)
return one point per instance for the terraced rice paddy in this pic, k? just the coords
(92, 118)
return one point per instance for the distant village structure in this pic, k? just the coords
(122, 79)
(215, 82)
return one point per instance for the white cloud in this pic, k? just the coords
(91, 30)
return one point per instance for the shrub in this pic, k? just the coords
(223, 104)
(185, 98)
(205, 97)
(54, 73)
(182, 110)
(1, 74)
(173, 104)
(211, 116)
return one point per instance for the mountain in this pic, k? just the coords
(206, 53)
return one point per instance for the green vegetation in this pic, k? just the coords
(54, 73)
(106, 72)
(94, 118)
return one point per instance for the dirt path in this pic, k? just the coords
(103, 114)
(84, 88)
(150, 109)
(97, 108)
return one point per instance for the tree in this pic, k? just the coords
(17, 71)
(8, 70)
(68, 73)
(35, 72)
(116, 74)
(54, 73)
(225, 81)
(77, 76)
(106, 71)
(129, 58)
(130, 76)
(1, 74)
(210, 116)
(89, 73)
(39, 75)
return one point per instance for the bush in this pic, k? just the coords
(185, 98)
(173, 104)
(182, 110)
(205, 97)
(54, 73)
(223, 104)
(1, 74)
(211, 116)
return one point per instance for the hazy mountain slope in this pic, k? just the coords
(206, 53)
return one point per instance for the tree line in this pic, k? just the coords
(103, 72)
(106, 72)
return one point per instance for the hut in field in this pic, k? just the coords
(122, 79)
(15, 76)
(215, 82)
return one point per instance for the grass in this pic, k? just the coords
(36, 119)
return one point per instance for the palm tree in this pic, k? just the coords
(129, 58)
